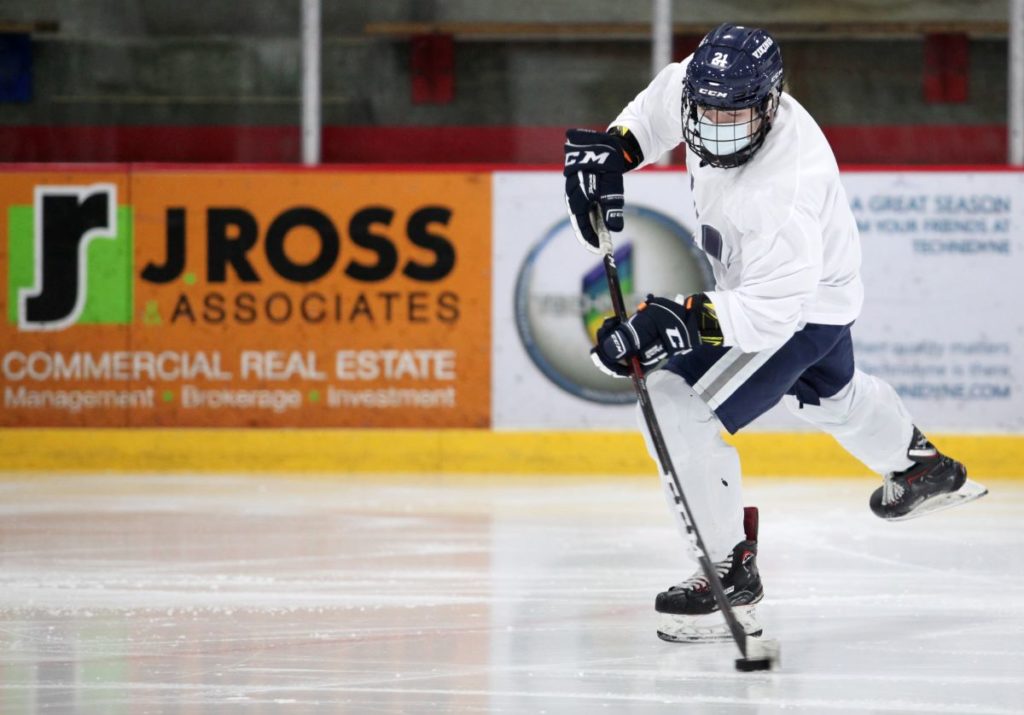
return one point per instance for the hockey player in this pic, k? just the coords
(783, 244)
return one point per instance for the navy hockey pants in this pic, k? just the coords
(816, 362)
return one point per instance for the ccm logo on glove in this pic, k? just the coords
(588, 157)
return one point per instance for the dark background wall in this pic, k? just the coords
(188, 80)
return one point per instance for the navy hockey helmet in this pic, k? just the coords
(734, 68)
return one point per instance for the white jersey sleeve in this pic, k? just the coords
(654, 116)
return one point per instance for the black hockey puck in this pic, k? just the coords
(748, 665)
(759, 654)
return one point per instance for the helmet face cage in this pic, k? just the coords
(730, 94)
(727, 144)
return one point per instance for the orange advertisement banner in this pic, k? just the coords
(190, 297)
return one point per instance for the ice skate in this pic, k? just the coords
(933, 483)
(689, 612)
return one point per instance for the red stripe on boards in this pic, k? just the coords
(884, 145)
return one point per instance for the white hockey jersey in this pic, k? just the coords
(778, 229)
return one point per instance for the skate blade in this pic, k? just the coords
(970, 491)
(707, 628)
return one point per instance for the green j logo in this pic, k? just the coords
(70, 258)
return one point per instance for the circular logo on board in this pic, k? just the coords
(561, 295)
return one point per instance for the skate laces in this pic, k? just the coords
(892, 490)
(699, 582)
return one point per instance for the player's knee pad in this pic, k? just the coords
(835, 409)
(866, 406)
(685, 420)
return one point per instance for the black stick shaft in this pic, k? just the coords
(644, 398)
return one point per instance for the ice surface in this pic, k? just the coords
(204, 594)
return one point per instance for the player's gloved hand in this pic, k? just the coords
(594, 165)
(660, 328)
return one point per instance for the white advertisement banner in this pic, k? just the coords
(942, 320)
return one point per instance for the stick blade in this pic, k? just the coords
(762, 654)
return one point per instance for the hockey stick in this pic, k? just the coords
(756, 655)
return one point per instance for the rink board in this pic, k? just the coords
(230, 297)
(433, 453)
(347, 320)
(440, 297)
(942, 253)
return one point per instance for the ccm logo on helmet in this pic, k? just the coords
(589, 157)
(763, 48)
(712, 92)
